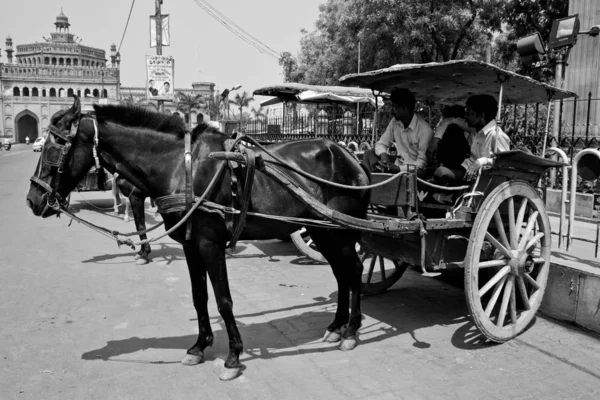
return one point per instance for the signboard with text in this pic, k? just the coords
(159, 84)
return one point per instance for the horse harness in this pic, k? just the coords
(56, 155)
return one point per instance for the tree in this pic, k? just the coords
(241, 101)
(258, 112)
(390, 32)
(186, 103)
(139, 102)
(216, 106)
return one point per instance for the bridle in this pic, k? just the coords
(56, 155)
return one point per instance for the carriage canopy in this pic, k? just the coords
(300, 92)
(454, 81)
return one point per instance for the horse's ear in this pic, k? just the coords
(75, 110)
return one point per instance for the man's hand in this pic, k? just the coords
(473, 170)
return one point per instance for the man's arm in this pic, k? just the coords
(386, 140)
(424, 139)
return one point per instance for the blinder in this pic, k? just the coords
(55, 155)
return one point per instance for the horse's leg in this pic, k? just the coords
(116, 196)
(127, 207)
(338, 248)
(197, 270)
(214, 256)
(137, 206)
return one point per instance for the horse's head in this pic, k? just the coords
(65, 159)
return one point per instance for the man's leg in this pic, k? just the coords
(449, 176)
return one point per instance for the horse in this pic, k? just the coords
(147, 149)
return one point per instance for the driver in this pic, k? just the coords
(408, 131)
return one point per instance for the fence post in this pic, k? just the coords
(573, 130)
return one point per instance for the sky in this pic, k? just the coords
(204, 50)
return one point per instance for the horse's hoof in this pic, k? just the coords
(332, 336)
(191, 359)
(229, 373)
(142, 261)
(137, 257)
(348, 343)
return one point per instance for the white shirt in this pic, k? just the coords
(489, 140)
(411, 142)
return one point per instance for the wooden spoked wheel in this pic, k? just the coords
(379, 272)
(306, 246)
(508, 260)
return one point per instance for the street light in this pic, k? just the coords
(531, 49)
(564, 32)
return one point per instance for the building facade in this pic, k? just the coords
(41, 78)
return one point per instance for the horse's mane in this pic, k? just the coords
(135, 116)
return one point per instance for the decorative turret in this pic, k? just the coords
(62, 23)
(113, 55)
(118, 60)
(9, 49)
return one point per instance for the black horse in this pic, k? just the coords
(147, 149)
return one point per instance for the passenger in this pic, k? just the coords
(489, 139)
(451, 115)
(408, 131)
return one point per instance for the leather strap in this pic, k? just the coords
(189, 179)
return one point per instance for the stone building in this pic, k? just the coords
(41, 77)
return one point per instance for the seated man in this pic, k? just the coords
(453, 118)
(489, 139)
(408, 131)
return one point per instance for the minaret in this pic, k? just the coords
(113, 55)
(118, 60)
(62, 23)
(9, 50)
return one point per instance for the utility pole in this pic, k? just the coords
(358, 104)
(158, 19)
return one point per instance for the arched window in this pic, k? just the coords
(61, 61)
(86, 92)
(70, 92)
(75, 62)
(26, 91)
(104, 93)
(96, 93)
(61, 92)
(78, 93)
(43, 92)
(53, 60)
(68, 61)
(28, 61)
(34, 92)
(47, 60)
(52, 92)
(16, 91)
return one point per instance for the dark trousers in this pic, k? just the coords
(449, 176)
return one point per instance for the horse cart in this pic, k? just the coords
(496, 228)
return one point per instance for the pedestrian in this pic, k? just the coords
(27, 140)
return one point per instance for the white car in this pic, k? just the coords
(38, 144)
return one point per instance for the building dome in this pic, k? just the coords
(62, 20)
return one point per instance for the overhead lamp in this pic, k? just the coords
(564, 32)
(531, 49)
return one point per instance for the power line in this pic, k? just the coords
(126, 25)
(238, 27)
(235, 29)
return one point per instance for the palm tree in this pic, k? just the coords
(186, 103)
(215, 105)
(241, 101)
(139, 102)
(258, 112)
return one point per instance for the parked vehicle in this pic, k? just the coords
(38, 144)
(5, 144)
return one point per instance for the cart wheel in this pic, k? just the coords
(379, 273)
(514, 264)
(305, 245)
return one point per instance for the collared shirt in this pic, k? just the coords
(411, 142)
(489, 140)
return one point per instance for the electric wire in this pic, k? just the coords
(126, 25)
(238, 27)
(236, 30)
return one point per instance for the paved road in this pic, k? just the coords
(79, 320)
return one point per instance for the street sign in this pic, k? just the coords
(160, 72)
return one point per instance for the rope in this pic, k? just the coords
(284, 163)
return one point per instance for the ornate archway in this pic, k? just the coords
(26, 124)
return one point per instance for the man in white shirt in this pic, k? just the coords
(408, 131)
(489, 139)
